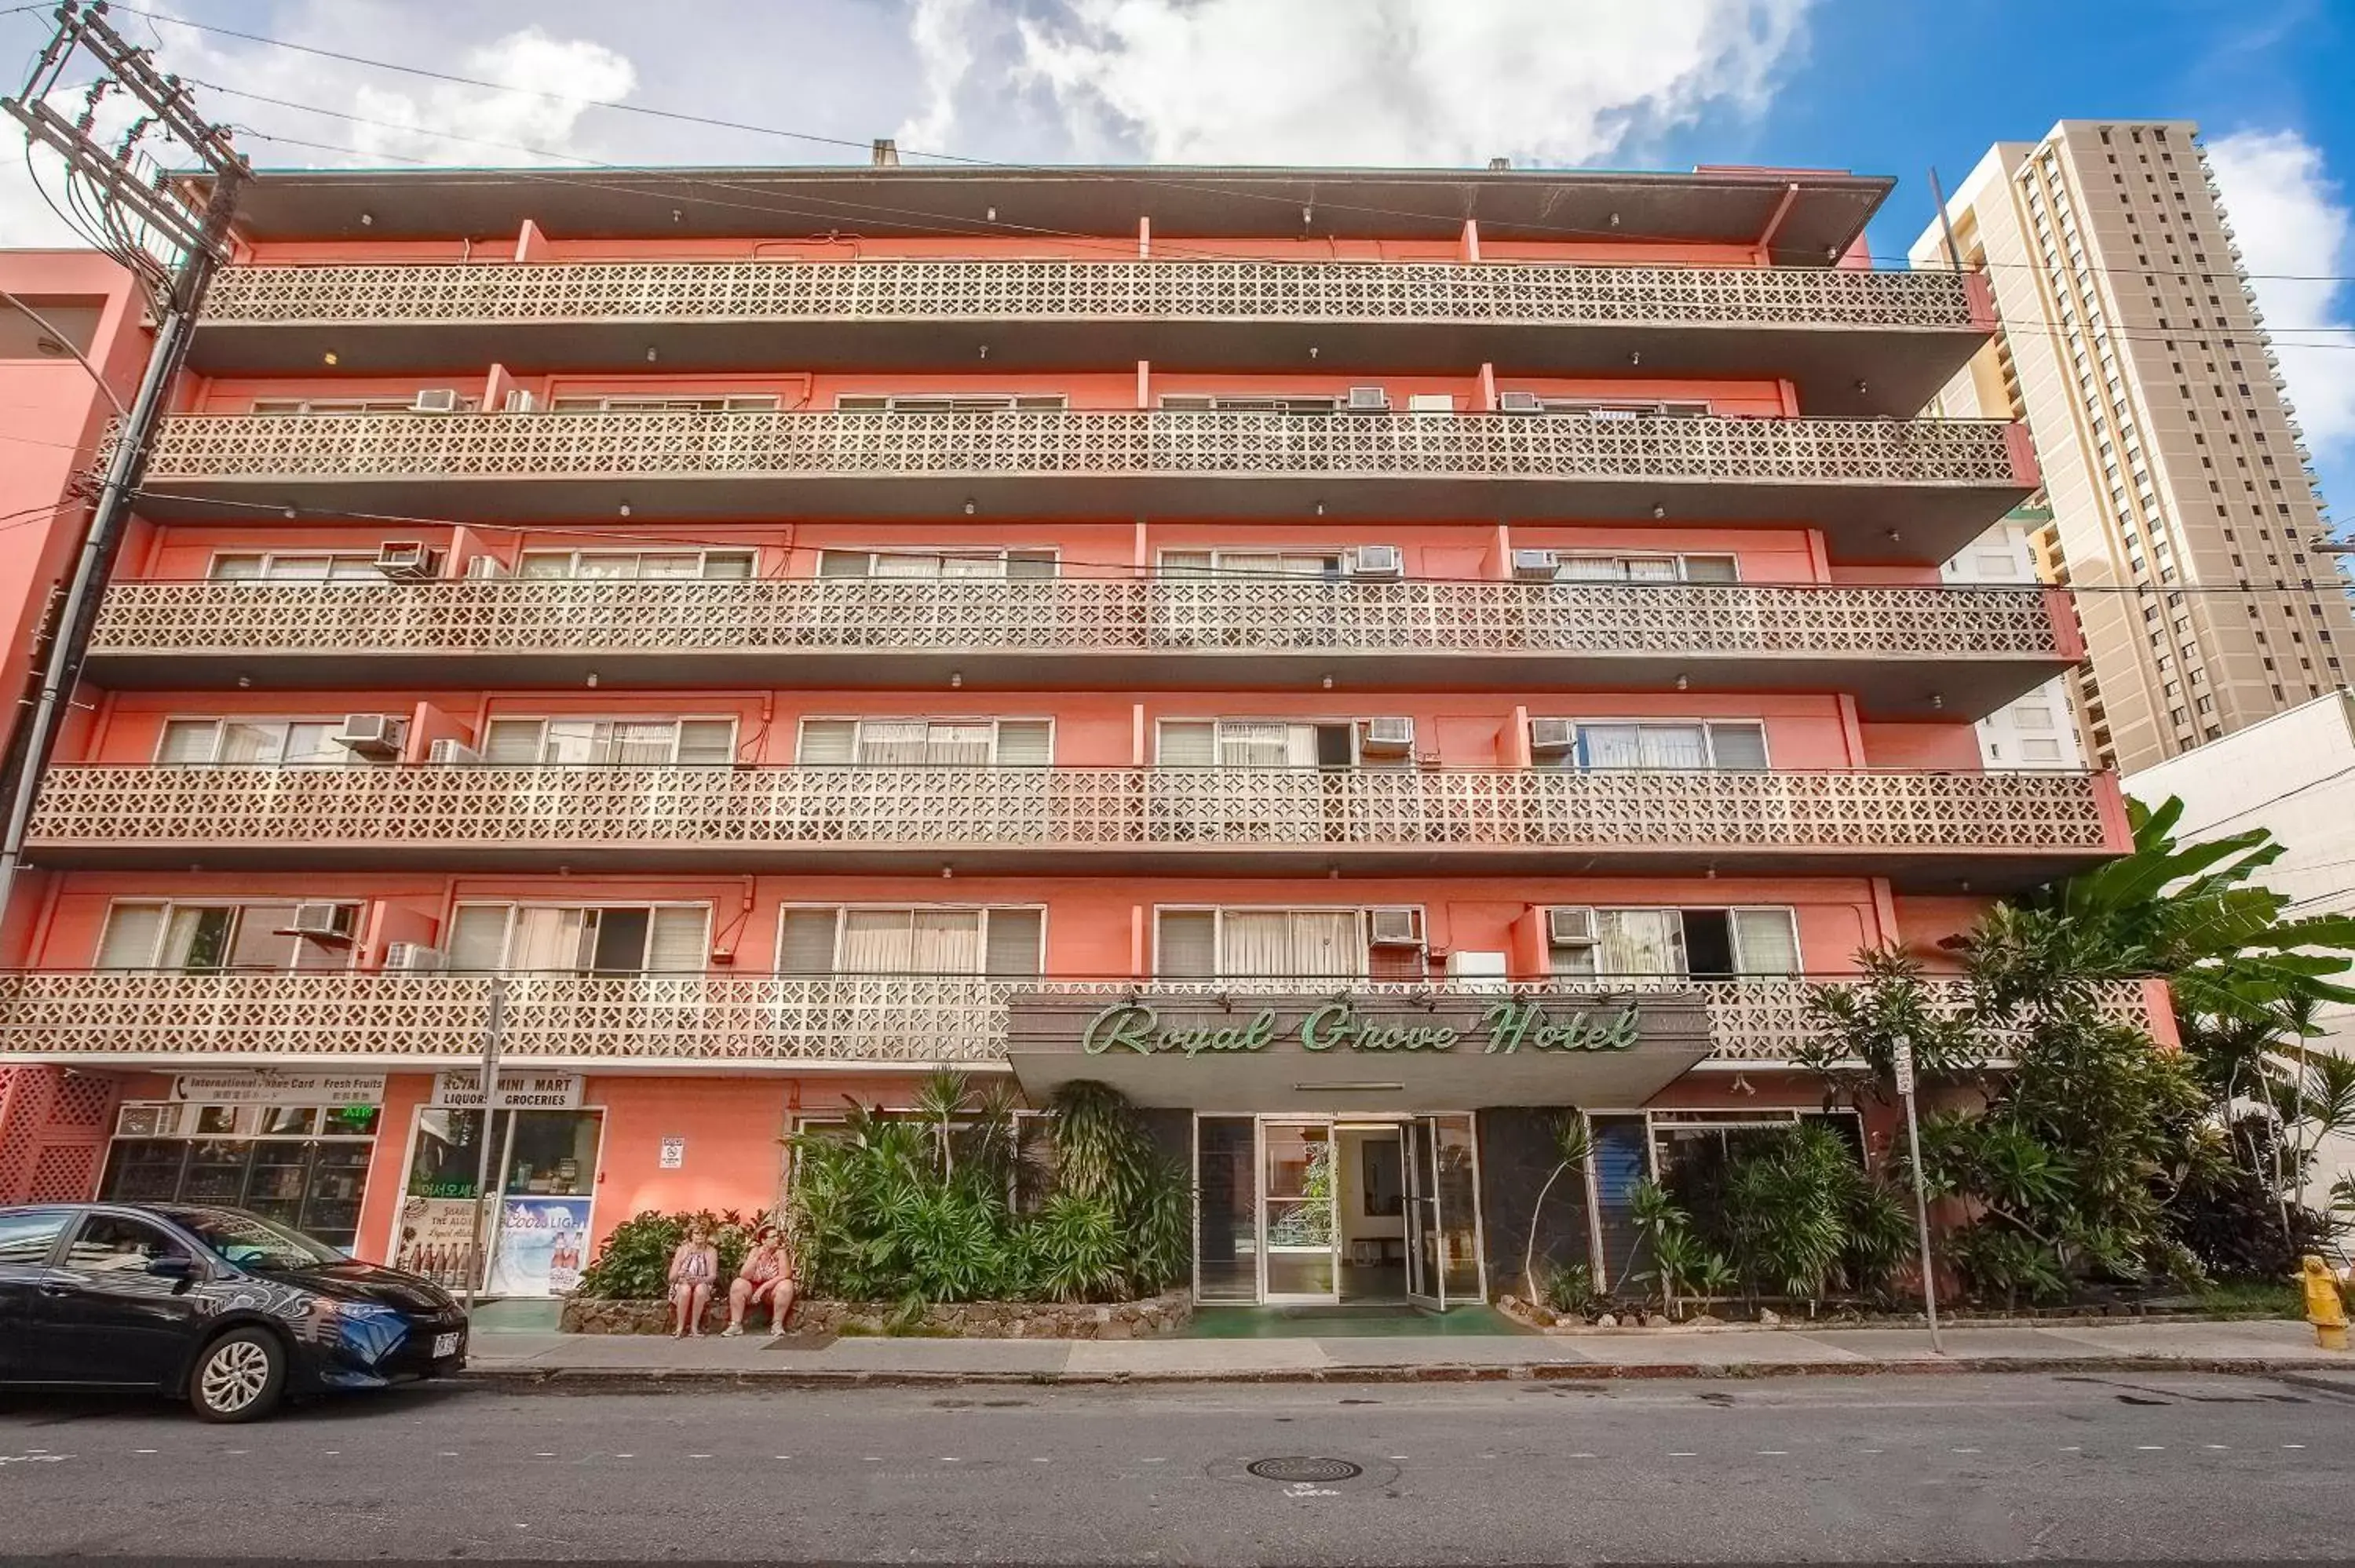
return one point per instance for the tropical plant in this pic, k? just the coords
(1569, 1289)
(1573, 1142)
(633, 1264)
(1682, 1265)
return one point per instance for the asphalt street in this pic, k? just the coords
(1955, 1467)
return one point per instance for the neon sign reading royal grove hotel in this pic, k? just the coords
(1504, 1027)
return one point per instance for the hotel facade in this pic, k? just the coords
(1357, 661)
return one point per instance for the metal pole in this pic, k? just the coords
(495, 1026)
(1920, 1193)
(1938, 195)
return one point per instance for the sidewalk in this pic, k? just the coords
(512, 1357)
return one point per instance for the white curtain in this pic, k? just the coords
(1640, 941)
(911, 941)
(546, 939)
(1282, 943)
(1764, 942)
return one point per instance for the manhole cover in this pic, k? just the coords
(1301, 1467)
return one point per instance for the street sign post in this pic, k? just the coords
(1903, 1070)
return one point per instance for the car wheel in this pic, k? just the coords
(239, 1376)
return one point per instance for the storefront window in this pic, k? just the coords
(543, 1170)
(301, 1165)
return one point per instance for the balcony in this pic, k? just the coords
(1887, 489)
(1927, 832)
(1971, 650)
(1858, 342)
(366, 1019)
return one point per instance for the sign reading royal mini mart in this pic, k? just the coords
(1424, 1051)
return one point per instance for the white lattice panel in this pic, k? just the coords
(691, 445)
(1511, 294)
(1076, 615)
(1074, 807)
(176, 1019)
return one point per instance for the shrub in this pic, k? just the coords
(633, 1264)
(1569, 1289)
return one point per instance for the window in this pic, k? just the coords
(1251, 563)
(249, 742)
(1576, 568)
(749, 403)
(623, 940)
(1263, 743)
(201, 938)
(26, 1238)
(978, 404)
(921, 741)
(1731, 748)
(1262, 944)
(1698, 944)
(936, 564)
(294, 568)
(1194, 404)
(698, 742)
(1003, 942)
(664, 565)
(344, 407)
(117, 1243)
(1621, 412)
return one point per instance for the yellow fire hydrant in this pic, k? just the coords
(2324, 1309)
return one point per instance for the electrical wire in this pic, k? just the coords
(65, 342)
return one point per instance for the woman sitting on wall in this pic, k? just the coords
(767, 1275)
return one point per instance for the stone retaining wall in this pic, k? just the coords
(1145, 1319)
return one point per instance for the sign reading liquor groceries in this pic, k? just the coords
(1503, 1026)
(461, 1090)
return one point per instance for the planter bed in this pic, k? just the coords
(1146, 1320)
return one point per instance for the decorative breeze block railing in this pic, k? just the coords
(1077, 615)
(1075, 808)
(1177, 290)
(693, 445)
(438, 1020)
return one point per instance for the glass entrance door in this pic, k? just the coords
(1297, 1182)
(1426, 1274)
(1442, 1213)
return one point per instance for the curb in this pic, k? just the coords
(607, 1380)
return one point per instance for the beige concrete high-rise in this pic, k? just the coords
(2133, 347)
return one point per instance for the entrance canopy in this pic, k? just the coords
(1357, 1051)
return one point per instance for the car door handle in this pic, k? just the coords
(56, 1289)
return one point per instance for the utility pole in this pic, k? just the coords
(155, 225)
(494, 1029)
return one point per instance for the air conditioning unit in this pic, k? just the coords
(1386, 737)
(1552, 737)
(143, 1121)
(1368, 400)
(486, 569)
(452, 753)
(1477, 971)
(518, 401)
(412, 956)
(1535, 566)
(1573, 928)
(323, 922)
(1519, 403)
(1378, 561)
(435, 400)
(372, 734)
(1398, 926)
(407, 561)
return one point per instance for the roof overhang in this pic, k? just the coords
(1803, 216)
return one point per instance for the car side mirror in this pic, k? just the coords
(172, 1266)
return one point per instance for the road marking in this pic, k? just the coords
(784, 1456)
(951, 1460)
(2293, 1444)
(874, 1458)
(2072, 1447)
(543, 1454)
(142, 1450)
(2215, 1447)
(1774, 1453)
(2150, 1448)
(625, 1456)
(332, 1453)
(1402, 1455)
(1573, 1456)
(240, 1453)
(1872, 1450)
(1040, 1459)
(1682, 1454)
(449, 1453)
(1962, 1450)
(698, 1456)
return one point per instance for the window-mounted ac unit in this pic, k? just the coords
(1378, 561)
(323, 922)
(435, 400)
(452, 753)
(1552, 736)
(1398, 926)
(486, 569)
(143, 1121)
(1535, 566)
(407, 561)
(1386, 737)
(1368, 400)
(372, 734)
(1519, 403)
(412, 956)
(519, 400)
(1571, 927)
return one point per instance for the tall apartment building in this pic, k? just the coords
(2182, 492)
(1353, 660)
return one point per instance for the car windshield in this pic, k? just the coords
(251, 1242)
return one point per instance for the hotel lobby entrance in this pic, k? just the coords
(1337, 1209)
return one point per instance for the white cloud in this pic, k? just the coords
(2296, 227)
(1390, 81)
(575, 67)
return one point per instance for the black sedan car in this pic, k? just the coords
(218, 1305)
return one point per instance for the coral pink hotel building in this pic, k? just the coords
(1358, 660)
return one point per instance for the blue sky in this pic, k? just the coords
(1882, 85)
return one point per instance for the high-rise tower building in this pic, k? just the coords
(2182, 493)
(1353, 660)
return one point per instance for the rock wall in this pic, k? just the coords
(1145, 1319)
